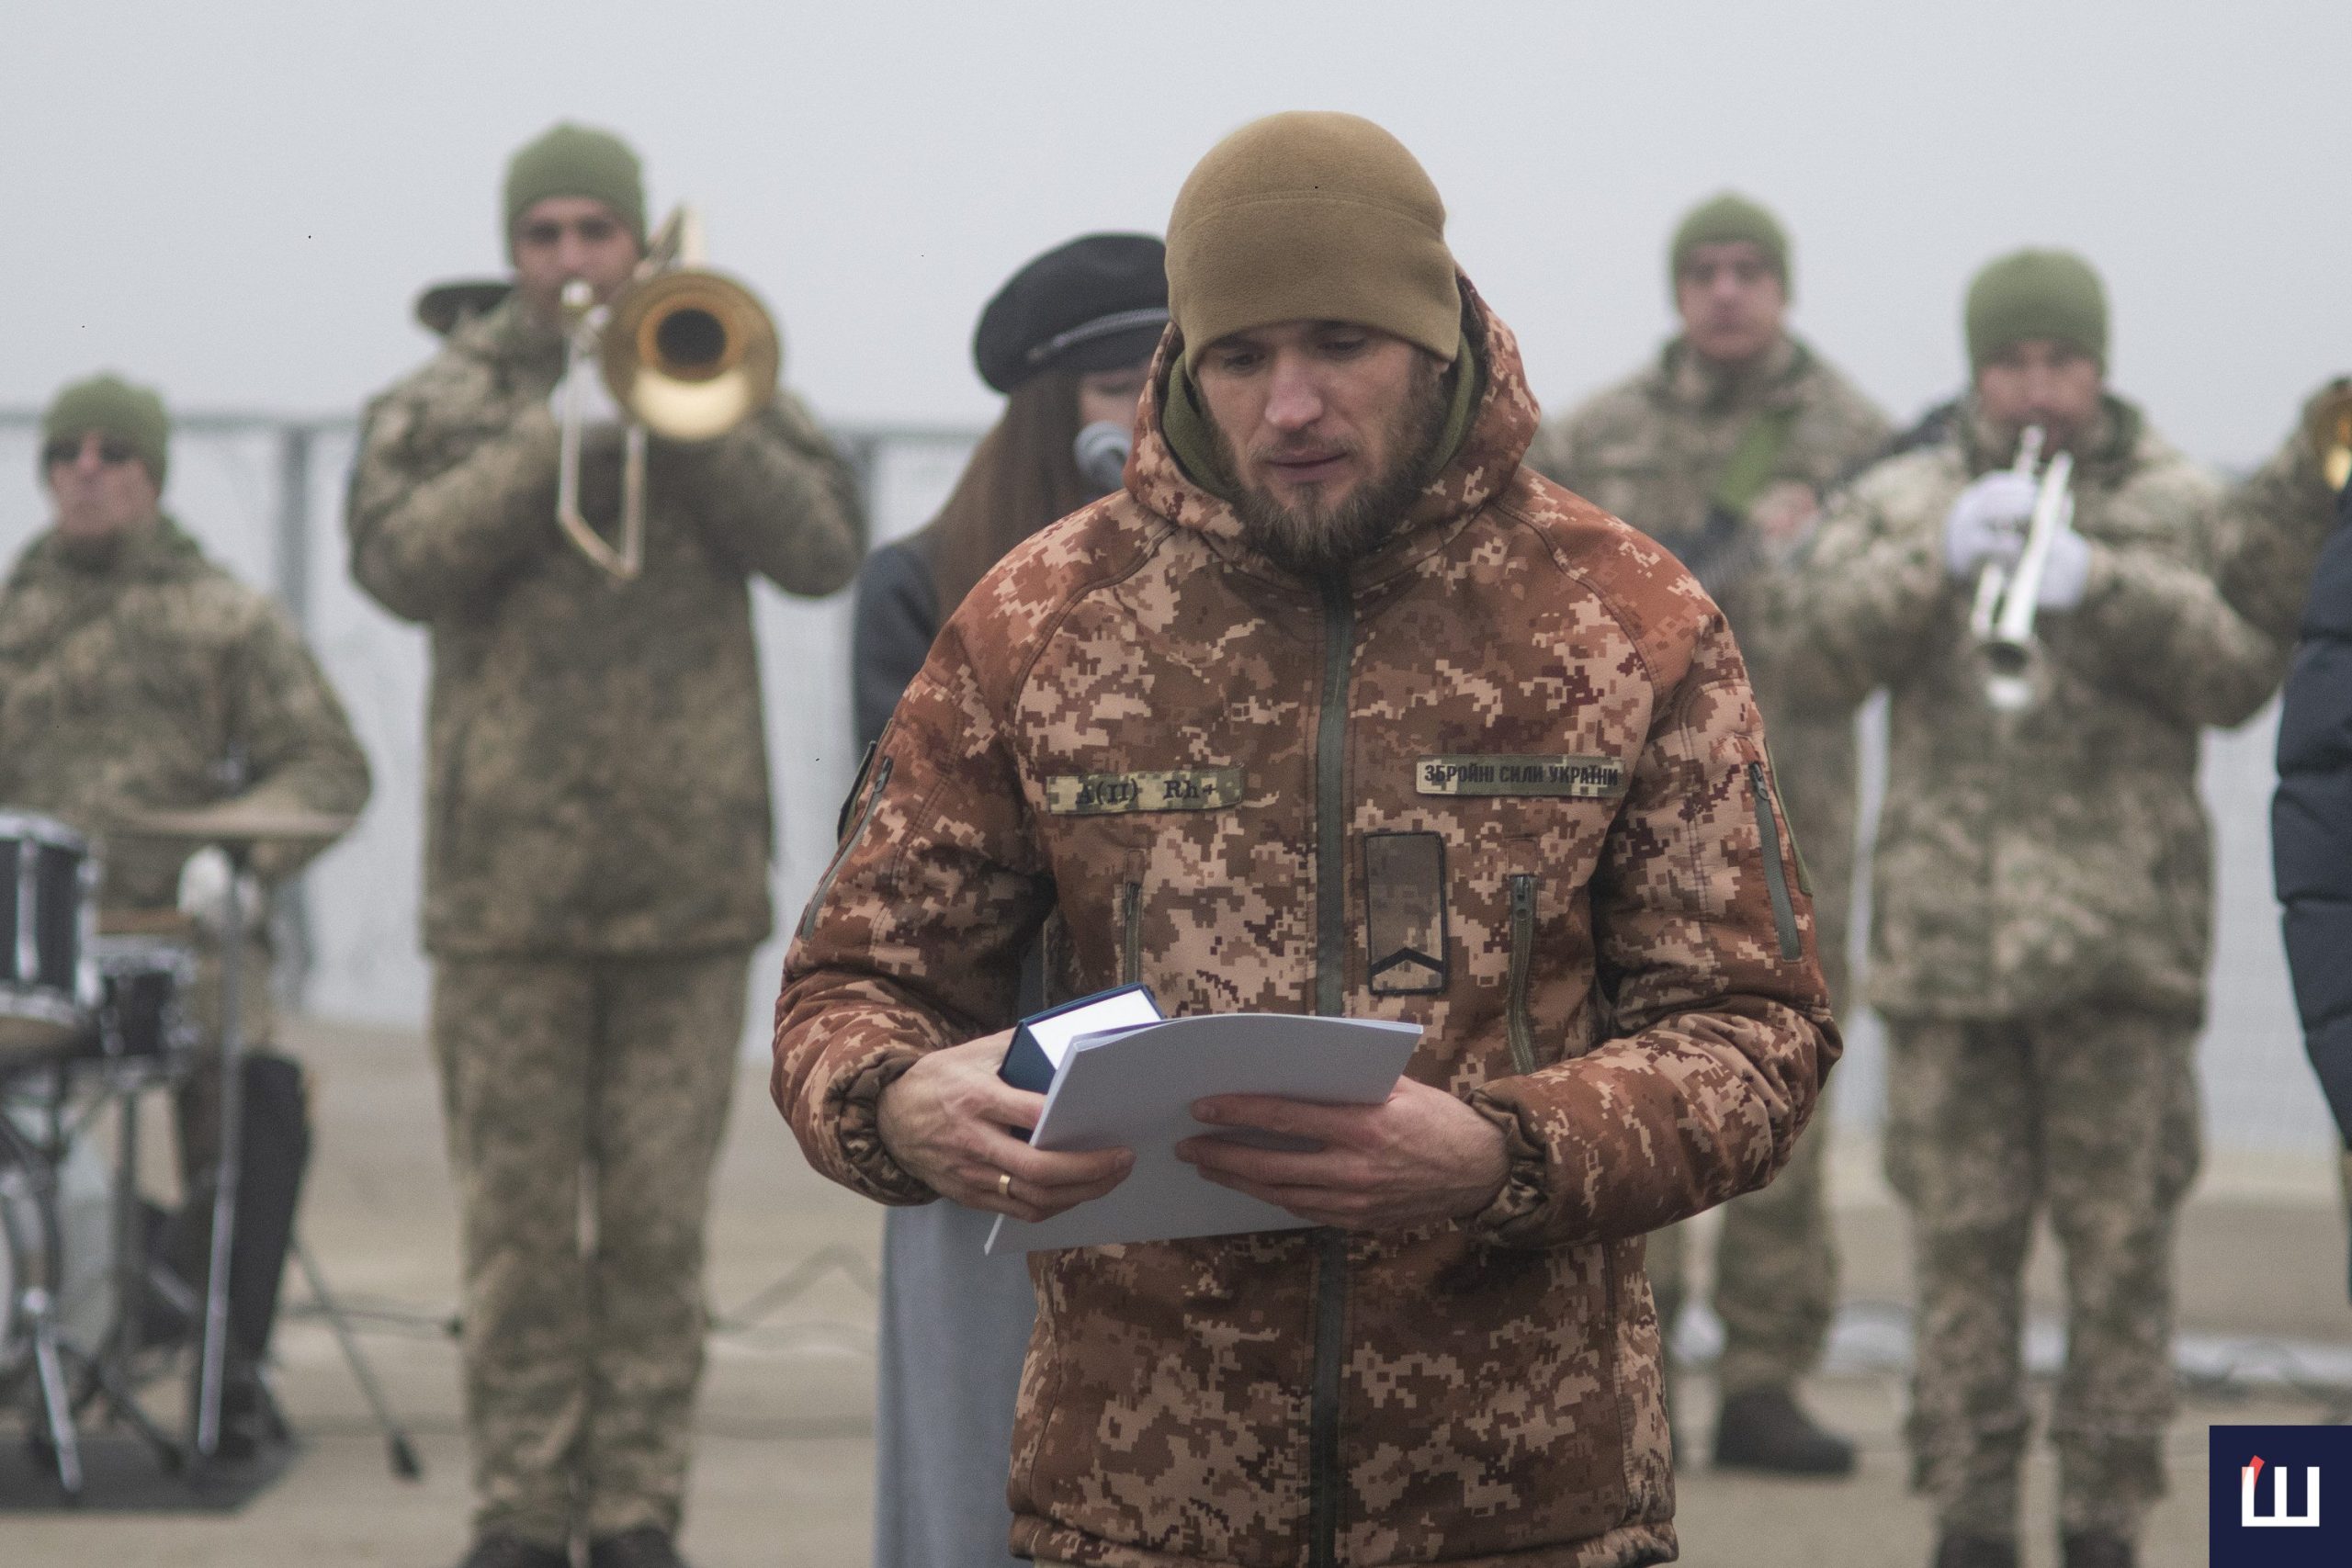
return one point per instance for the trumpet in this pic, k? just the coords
(2001, 619)
(2330, 431)
(688, 352)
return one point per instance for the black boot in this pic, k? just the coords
(512, 1551)
(647, 1546)
(2096, 1548)
(1976, 1552)
(250, 1419)
(1764, 1429)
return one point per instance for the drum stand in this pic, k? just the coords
(135, 1276)
(213, 1365)
(52, 1348)
(398, 1451)
(212, 1368)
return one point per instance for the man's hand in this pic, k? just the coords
(1784, 514)
(1418, 1156)
(597, 407)
(952, 1121)
(1987, 523)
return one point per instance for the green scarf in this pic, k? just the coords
(1186, 427)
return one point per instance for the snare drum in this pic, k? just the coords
(49, 984)
(144, 982)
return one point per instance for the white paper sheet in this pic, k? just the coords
(1126, 1010)
(1134, 1090)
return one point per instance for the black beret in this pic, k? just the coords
(1093, 304)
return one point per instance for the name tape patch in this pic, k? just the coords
(1174, 789)
(1582, 778)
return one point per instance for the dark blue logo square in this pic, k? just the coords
(2281, 1496)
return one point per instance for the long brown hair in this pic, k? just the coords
(1022, 475)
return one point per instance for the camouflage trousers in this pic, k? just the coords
(1775, 1256)
(1776, 1274)
(2092, 1115)
(584, 1099)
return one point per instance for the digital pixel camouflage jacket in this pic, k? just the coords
(1507, 781)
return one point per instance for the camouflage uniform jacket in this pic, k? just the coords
(2274, 525)
(1202, 766)
(597, 779)
(150, 681)
(2058, 857)
(1651, 449)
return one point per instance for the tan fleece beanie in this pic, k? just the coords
(1311, 216)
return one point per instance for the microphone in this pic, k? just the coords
(1102, 452)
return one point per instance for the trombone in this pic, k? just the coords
(2330, 432)
(687, 353)
(2001, 620)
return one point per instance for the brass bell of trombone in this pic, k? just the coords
(2331, 429)
(688, 352)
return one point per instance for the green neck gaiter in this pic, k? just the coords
(122, 553)
(1189, 436)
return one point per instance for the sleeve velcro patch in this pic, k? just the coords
(1175, 789)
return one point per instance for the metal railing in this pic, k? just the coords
(296, 439)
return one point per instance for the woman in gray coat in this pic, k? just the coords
(1068, 340)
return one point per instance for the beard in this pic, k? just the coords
(1312, 541)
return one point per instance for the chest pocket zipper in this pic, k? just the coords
(1776, 875)
(1523, 958)
(1130, 933)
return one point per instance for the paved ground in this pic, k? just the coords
(785, 1438)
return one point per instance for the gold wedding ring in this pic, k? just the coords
(1004, 1184)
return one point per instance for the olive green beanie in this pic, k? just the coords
(1726, 220)
(1312, 216)
(109, 405)
(574, 160)
(2036, 294)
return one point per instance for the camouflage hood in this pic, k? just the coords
(1502, 422)
(1509, 784)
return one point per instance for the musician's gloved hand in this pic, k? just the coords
(204, 893)
(2067, 571)
(1987, 523)
(597, 407)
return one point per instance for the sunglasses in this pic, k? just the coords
(67, 450)
(545, 234)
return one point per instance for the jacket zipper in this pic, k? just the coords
(849, 842)
(1330, 1000)
(1523, 954)
(1130, 933)
(1776, 875)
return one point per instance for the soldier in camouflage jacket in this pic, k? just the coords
(1611, 956)
(136, 675)
(2276, 523)
(2042, 905)
(2289, 569)
(597, 832)
(1775, 428)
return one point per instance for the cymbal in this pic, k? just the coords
(146, 922)
(236, 822)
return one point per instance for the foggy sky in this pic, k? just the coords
(239, 201)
